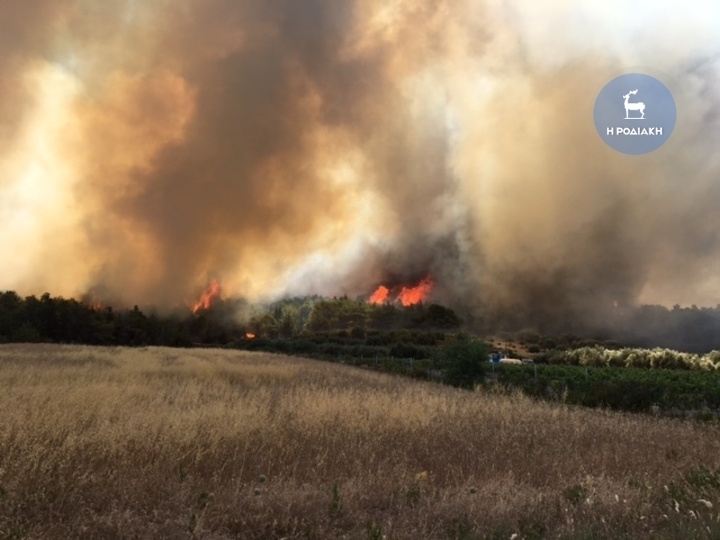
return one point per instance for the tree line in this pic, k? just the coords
(62, 320)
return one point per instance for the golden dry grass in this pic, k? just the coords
(168, 443)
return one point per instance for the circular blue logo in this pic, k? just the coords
(635, 114)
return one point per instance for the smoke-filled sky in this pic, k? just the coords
(326, 146)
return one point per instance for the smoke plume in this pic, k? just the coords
(308, 146)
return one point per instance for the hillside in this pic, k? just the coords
(168, 443)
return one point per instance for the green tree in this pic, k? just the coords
(441, 317)
(464, 363)
(287, 326)
(264, 326)
(323, 317)
(27, 333)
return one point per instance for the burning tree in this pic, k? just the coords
(208, 296)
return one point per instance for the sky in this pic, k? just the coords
(292, 147)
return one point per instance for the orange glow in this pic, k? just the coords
(250, 335)
(380, 296)
(414, 295)
(407, 296)
(92, 302)
(208, 296)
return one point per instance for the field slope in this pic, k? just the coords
(169, 443)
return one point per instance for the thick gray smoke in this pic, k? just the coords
(307, 146)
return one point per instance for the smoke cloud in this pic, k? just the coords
(306, 146)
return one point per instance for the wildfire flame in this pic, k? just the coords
(208, 296)
(407, 296)
(414, 295)
(250, 335)
(380, 296)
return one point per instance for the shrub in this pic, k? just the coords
(464, 363)
(406, 350)
(357, 333)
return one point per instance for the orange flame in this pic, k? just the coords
(407, 296)
(380, 296)
(208, 296)
(414, 295)
(250, 335)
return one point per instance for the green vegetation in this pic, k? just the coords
(458, 361)
(464, 363)
(60, 320)
(627, 389)
(632, 357)
(422, 341)
(314, 315)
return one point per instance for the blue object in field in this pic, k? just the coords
(496, 357)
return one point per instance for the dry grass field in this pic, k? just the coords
(166, 443)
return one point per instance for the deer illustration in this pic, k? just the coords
(633, 106)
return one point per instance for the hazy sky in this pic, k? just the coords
(317, 146)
